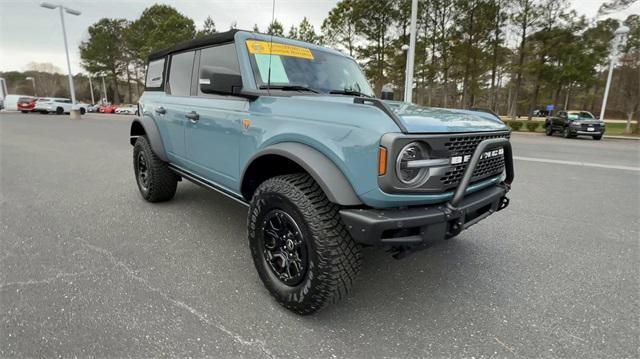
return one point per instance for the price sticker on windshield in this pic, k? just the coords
(266, 48)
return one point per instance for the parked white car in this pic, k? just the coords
(127, 110)
(58, 106)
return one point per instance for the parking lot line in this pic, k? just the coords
(575, 163)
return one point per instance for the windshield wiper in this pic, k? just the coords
(289, 88)
(349, 92)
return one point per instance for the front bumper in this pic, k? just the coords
(415, 225)
(582, 131)
(588, 133)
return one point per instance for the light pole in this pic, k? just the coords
(405, 49)
(618, 40)
(75, 113)
(104, 89)
(33, 82)
(408, 83)
(93, 102)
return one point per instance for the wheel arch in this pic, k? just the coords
(145, 126)
(291, 157)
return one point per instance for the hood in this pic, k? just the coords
(419, 119)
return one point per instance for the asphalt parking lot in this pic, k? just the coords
(90, 269)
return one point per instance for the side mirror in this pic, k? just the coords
(217, 80)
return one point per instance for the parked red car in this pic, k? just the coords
(107, 108)
(26, 104)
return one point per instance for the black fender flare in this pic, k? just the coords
(328, 176)
(146, 126)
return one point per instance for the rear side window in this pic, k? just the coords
(154, 74)
(180, 74)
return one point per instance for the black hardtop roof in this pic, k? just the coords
(219, 38)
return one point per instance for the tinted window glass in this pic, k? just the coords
(154, 74)
(222, 58)
(180, 74)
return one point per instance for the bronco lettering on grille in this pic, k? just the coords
(464, 159)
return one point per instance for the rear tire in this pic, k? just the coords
(155, 180)
(323, 258)
(82, 111)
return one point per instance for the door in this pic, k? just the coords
(214, 129)
(175, 105)
(558, 121)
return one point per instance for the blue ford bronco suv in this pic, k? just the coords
(293, 131)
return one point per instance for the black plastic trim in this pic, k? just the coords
(330, 178)
(369, 226)
(207, 184)
(153, 135)
(384, 108)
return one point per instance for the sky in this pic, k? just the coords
(29, 32)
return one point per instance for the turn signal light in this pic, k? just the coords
(382, 161)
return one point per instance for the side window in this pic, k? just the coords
(180, 74)
(223, 58)
(154, 74)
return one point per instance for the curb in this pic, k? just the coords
(632, 138)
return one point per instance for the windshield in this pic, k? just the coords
(299, 69)
(580, 115)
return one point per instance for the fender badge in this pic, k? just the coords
(246, 123)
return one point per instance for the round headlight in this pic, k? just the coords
(412, 176)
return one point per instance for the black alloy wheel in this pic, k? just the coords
(142, 169)
(284, 249)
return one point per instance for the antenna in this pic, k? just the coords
(273, 14)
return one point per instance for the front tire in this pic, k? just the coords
(302, 251)
(597, 137)
(549, 130)
(155, 180)
(566, 133)
(59, 111)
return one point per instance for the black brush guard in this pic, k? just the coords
(413, 226)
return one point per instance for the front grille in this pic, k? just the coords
(465, 146)
(585, 127)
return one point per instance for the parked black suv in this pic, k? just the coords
(575, 123)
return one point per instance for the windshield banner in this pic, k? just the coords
(266, 48)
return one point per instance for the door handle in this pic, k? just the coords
(161, 110)
(193, 116)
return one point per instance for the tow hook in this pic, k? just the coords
(504, 203)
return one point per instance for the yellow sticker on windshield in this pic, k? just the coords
(266, 48)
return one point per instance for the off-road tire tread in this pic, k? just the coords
(339, 256)
(163, 183)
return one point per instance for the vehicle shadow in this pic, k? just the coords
(398, 289)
